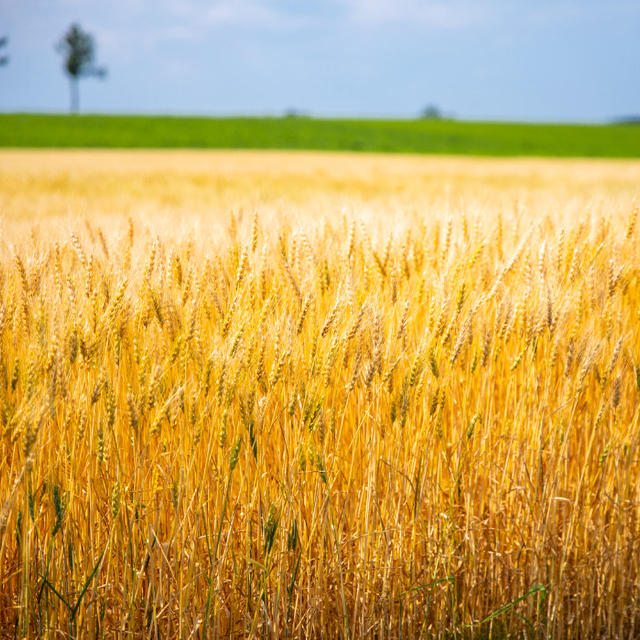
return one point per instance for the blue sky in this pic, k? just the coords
(564, 60)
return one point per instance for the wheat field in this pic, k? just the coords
(289, 395)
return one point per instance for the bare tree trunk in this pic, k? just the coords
(75, 95)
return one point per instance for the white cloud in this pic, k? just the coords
(253, 13)
(438, 15)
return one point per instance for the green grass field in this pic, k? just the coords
(405, 136)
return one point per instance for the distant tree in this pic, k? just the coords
(632, 119)
(294, 113)
(78, 49)
(4, 59)
(431, 112)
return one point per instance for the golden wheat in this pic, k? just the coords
(392, 420)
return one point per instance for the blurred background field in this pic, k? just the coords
(434, 136)
(41, 185)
